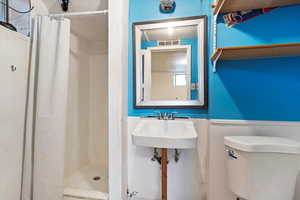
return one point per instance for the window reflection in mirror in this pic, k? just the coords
(170, 63)
(170, 74)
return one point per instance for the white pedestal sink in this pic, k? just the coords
(169, 134)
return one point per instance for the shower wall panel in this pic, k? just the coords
(77, 133)
(86, 144)
(98, 110)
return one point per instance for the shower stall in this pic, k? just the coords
(66, 153)
(86, 138)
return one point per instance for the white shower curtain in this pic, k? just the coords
(46, 109)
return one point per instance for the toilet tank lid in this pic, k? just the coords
(262, 144)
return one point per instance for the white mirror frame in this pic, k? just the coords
(201, 22)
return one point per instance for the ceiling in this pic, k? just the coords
(77, 5)
(169, 61)
(91, 28)
(177, 33)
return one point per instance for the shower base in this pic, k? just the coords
(89, 183)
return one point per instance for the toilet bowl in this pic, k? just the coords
(262, 168)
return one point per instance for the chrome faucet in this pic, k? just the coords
(160, 117)
(172, 115)
(166, 116)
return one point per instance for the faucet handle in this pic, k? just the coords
(159, 114)
(172, 114)
(166, 116)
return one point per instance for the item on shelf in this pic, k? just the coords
(234, 18)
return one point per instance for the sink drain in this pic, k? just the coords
(96, 178)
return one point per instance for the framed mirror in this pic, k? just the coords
(170, 63)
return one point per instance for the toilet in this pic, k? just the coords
(262, 168)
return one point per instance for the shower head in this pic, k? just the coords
(65, 5)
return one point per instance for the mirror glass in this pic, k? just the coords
(170, 63)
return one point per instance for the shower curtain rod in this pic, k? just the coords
(79, 13)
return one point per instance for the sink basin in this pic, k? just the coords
(170, 134)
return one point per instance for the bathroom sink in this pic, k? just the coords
(170, 134)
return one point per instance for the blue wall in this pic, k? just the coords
(259, 89)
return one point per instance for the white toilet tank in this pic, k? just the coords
(262, 168)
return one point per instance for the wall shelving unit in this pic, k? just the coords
(250, 52)
(259, 51)
(223, 6)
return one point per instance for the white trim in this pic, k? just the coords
(172, 47)
(79, 13)
(201, 63)
(169, 24)
(139, 52)
(147, 68)
(220, 7)
(147, 75)
(215, 62)
(117, 96)
(253, 123)
(214, 24)
(188, 72)
(146, 36)
(172, 103)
